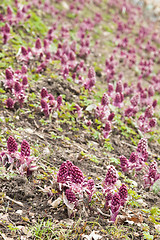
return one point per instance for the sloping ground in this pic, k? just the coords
(101, 59)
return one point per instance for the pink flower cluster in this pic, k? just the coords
(152, 175)
(137, 159)
(91, 80)
(39, 52)
(48, 102)
(10, 19)
(22, 161)
(114, 200)
(16, 82)
(146, 121)
(72, 181)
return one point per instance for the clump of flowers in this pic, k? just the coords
(91, 80)
(137, 159)
(73, 184)
(146, 121)
(17, 83)
(152, 175)
(21, 161)
(48, 102)
(114, 200)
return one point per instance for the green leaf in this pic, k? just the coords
(114, 160)
(147, 236)
(2, 91)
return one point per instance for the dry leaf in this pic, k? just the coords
(4, 237)
(92, 236)
(138, 218)
(157, 227)
(55, 203)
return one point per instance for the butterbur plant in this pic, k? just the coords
(73, 185)
(114, 200)
(17, 83)
(115, 206)
(137, 162)
(91, 80)
(20, 161)
(152, 175)
(137, 159)
(146, 121)
(48, 103)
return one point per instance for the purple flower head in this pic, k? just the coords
(72, 56)
(63, 173)
(107, 129)
(119, 86)
(64, 59)
(149, 112)
(44, 104)
(91, 73)
(142, 146)
(5, 38)
(50, 97)
(21, 98)
(133, 157)
(111, 176)
(11, 145)
(153, 172)
(123, 193)
(41, 67)
(6, 28)
(135, 100)
(68, 172)
(77, 175)
(45, 107)
(153, 122)
(124, 163)
(90, 188)
(89, 84)
(152, 176)
(77, 109)
(71, 197)
(44, 92)
(24, 69)
(17, 88)
(91, 185)
(73, 46)
(24, 51)
(45, 43)
(111, 116)
(25, 148)
(154, 104)
(24, 81)
(105, 100)
(118, 100)
(115, 205)
(38, 44)
(131, 111)
(10, 103)
(108, 199)
(151, 91)
(59, 101)
(48, 55)
(9, 11)
(9, 74)
(110, 88)
(1, 18)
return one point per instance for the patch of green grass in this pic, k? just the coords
(91, 157)
(43, 230)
